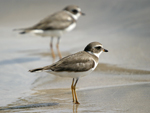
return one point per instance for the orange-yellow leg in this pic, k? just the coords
(57, 46)
(72, 90)
(51, 47)
(74, 94)
(76, 102)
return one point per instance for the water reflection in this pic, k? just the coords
(75, 108)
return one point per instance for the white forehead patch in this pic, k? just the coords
(98, 46)
(79, 9)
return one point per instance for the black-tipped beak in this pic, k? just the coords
(82, 13)
(105, 50)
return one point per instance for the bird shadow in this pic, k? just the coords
(30, 106)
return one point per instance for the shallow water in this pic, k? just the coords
(121, 81)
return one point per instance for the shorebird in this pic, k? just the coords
(76, 65)
(56, 25)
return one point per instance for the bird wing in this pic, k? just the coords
(74, 63)
(59, 20)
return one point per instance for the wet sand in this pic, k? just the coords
(118, 99)
(120, 83)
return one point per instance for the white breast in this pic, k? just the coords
(96, 63)
(71, 27)
(70, 74)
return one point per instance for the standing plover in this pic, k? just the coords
(76, 65)
(56, 25)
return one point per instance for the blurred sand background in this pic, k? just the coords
(119, 84)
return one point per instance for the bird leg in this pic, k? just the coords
(74, 94)
(51, 47)
(57, 46)
(72, 90)
(77, 102)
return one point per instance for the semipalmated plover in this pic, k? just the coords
(76, 65)
(56, 25)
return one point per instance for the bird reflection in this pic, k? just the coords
(75, 108)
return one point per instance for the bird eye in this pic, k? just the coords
(98, 47)
(75, 11)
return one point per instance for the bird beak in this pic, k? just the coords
(82, 13)
(105, 50)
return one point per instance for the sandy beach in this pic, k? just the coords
(119, 84)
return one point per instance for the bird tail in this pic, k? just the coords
(36, 70)
(23, 30)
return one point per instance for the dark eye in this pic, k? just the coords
(98, 47)
(75, 11)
